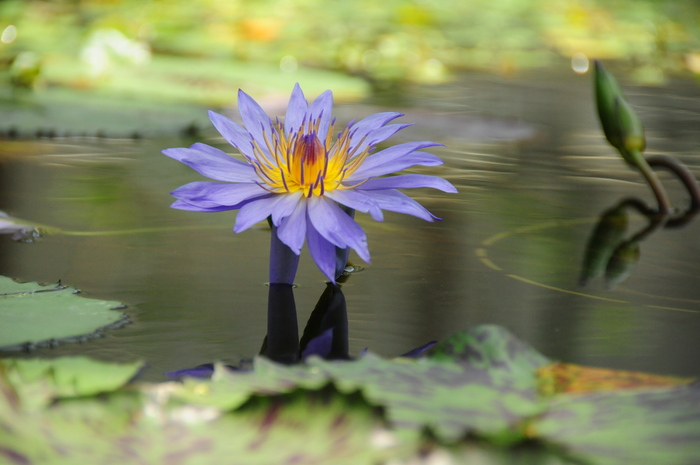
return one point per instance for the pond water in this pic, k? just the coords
(534, 173)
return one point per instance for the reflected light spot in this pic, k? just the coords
(288, 64)
(579, 63)
(9, 34)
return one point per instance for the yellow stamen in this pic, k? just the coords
(300, 161)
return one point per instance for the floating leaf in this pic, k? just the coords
(494, 349)
(559, 378)
(489, 392)
(37, 382)
(659, 426)
(169, 96)
(481, 382)
(33, 315)
(141, 426)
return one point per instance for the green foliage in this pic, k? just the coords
(395, 40)
(38, 315)
(480, 383)
(43, 381)
(644, 426)
(135, 428)
(169, 97)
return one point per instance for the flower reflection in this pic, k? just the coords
(306, 178)
(612, 253)
(325, 335)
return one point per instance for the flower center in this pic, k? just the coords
(300, 161)
(308, 161)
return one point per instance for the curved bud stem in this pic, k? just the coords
(654, 183)
(683, 173)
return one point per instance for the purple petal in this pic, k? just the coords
(409, 181)
(336, 226)
(214, 152)
(357, 200)
(200, 371)
(182, 205)
(212, 165)
(395, 201)
(255, 212)
(296, 110)
(233, 133)
(210, 194)
(373, 168)
(292, 229)
(419, 351)
(285, 206)
(364, 127)
(321, 108)
(254, 118)
(322, 251)
(320, 345)
(379, 135)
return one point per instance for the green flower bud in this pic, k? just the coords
(631, 127)
(622, 126)
(607, 90)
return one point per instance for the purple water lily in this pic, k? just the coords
(299, 174)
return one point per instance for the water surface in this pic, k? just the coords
(533, 173)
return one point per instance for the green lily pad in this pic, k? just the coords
(34, 315)
(480, 383)
(169, 96)
(39, 382)
(659, 426)
(136, 426)
(489, 392)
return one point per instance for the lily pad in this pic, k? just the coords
(490, 391)
(482, 383)
(659, 426)
(34, 315)
(39, 381)
(139, 425)
(559, 378)
(168, 96)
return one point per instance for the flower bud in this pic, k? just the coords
(622, 126)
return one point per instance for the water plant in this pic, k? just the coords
(308, 182)
(624, 130)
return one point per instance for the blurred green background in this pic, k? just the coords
(202, 51)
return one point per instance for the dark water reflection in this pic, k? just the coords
(534, 176)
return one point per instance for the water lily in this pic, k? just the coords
(305, 175)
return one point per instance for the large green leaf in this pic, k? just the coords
(33, 315)
(169, 96)
(490, 392)
(140, 426)
(659, 426)
(482, 382)
(38, 382)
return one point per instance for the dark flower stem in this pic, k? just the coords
(283, 261)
